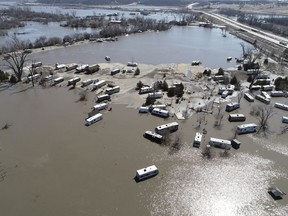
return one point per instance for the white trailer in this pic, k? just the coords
(146, 173)
(267, 87)
(93, 119)
(197, 140)
(246, 128)
(36, 64)
(143, 109)
(266, 95)
(276, 93)
(167, 128)
(100, 107)
(58, 80)
(232, 106)
(262, 99)
(160, 112)
(86, 82)
(281, 106)
(285, 119)
(34, 77)
(99, 84)
(146, 89)
(153, 136)
(73, 81)
(249, 97)
(103, 97)
(224, 94)
(71, 67)
(236, 117)
(155, 95)
(112, 90)
(60, 66)
(114, 71)
(220, 143)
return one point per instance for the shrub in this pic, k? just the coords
(13, 79)
(3, 76)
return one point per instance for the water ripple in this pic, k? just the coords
(223, 186)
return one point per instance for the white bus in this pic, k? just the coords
(281, 106)
(232, 106)
(262, 99)
(93, 119)
(197, 140)
(236, 117)
(99, 107)
(249, 97)
(146, 173)
(112, 90)
(246, 128)
(160, 112)
(220, 143)
(167, 128)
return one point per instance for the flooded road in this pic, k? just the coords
(51, 164)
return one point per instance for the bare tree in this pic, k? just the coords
(240, 95)
(167, 140)
(16, 57)
(176, 144)
(186, 112)
(263, 114)
(200, 119)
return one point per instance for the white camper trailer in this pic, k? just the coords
(220, 143)
(100, 107)
(160, 112)
(236, 117)
(58, 80)
(285, 119)
(232, 106)
(262, 99)
(246, 128)
(167, 128)
(112, 90)
(197, 140)
(99, 84)
(143, 109)
(249, 97)
(103, 97)
(276, 93)
(153, 136)
(86, 82)
(73, 81)
(281, 106)
(146, 89)
(93, 119)
(155, 95)
(146, 173)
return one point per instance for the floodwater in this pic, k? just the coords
(51, 164)
(178, 45)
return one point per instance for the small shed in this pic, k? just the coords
(235, 143)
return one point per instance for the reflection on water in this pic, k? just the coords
(236, 186)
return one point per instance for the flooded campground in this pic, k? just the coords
(52, 164)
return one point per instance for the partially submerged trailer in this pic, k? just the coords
(281, 106)
(160, 112)
(197, 140)
(236, 117)
(100, 107)
(246, 128)
(112, 90)
(155, 137)
(220, 143)
(249, 97)
(167, 128)
(232, 106)
(93, 119)
(73, 81)
(86, 82)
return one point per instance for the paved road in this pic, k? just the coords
(259, 33)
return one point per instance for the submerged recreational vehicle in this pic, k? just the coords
(146, 89)
(58, 80)
(143, 109)
(146, 173)
(249, 97)
(86, 82)
(246, 128)
(232, 106)
(266, 95)
(99, 84)
(114, 71)
(153, 136)
(160, 112)
(101, 98)
(285, 119)
(276, 93)
(93, 119)
(281, 106)
(236, 117)
(99, 107)
(167, 128)
(262, 99)
(220, 143)
(112, 90)
(155, 95)
(73, 81)
(197, 140)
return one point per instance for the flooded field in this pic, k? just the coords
(51, 164)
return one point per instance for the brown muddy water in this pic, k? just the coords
(51, 164)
